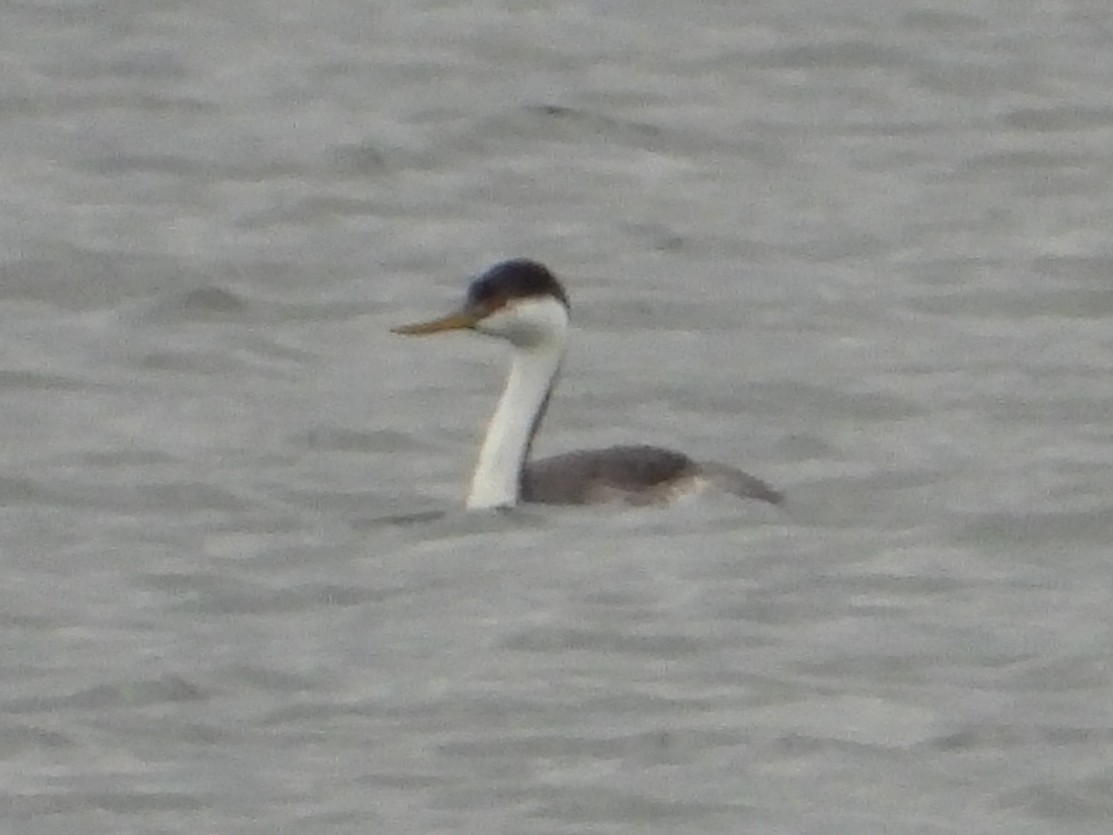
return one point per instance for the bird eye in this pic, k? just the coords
(482, 293)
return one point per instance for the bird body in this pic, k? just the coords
(521, 302)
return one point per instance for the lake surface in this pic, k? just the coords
(861, 250)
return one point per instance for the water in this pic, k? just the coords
(860, 250)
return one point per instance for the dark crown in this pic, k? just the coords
(519, 278)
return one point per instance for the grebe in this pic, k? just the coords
(522, 302)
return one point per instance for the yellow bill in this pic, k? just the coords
(460, 320)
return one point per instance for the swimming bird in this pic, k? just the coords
(522, 302)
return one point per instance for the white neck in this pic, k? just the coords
(497, 477)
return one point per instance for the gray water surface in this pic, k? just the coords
(861, 250)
